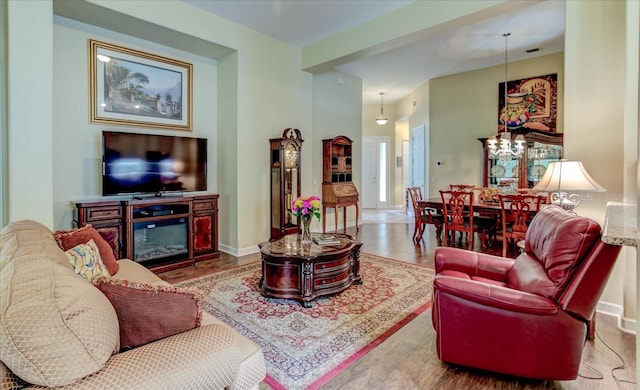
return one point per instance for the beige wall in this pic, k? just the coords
(596, 48)
(415, 110)
(463, 107)
(30, 93)
(227, 152)
(336, 111)
(77, 144)
(264, 90)
(4, 207)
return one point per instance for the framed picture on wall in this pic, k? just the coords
(129, 87)
(531, 103)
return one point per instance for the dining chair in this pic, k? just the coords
(517, 213)
(545, 197)
(489, 196)
(423, 216)
(461, 187)
(457, 209)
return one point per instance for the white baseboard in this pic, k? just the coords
(628, 325)
(239, 252)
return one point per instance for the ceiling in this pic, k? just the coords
(460, 45)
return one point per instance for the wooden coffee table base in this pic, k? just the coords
(291, 271)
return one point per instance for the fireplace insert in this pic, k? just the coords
(160, 241)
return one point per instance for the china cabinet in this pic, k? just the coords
(338, 190)
(285, 181)
(540, 148)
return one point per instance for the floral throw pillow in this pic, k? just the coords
(67, 239)
(86, 261)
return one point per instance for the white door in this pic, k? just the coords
(369, 173)
(417, 159)
(375, 172)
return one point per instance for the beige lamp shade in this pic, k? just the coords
(562, 177)
(567, 176)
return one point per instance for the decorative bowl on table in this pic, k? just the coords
(490, 195)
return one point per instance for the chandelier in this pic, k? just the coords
(381, 119)
(501, 145)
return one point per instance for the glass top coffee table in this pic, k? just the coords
(303, 272)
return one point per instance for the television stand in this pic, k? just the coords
(183, 229)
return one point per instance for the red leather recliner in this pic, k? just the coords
(527, 316)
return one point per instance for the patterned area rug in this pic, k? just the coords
(305, 348)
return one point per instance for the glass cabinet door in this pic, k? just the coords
(503, 174)
(539, 155)
(509, 172)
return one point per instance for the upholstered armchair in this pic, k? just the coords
(527, 316)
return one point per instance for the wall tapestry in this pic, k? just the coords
(531, 103)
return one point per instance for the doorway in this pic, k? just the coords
(375, 172)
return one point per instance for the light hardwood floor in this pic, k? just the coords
(407, 360)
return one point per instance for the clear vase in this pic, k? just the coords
(306, 233)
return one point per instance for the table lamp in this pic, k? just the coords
(563, 177)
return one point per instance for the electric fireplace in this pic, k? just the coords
(160, 241)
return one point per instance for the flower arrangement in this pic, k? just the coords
(305, 208)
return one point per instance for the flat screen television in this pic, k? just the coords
(152, 164)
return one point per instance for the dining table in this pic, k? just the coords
(481, 208)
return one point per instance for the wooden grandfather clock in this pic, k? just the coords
(285, 181)
(338, 189)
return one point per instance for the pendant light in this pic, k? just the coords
(381, 119)
(505, 149)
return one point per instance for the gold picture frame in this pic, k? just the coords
(130, 87)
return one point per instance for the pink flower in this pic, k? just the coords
(306, 207)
